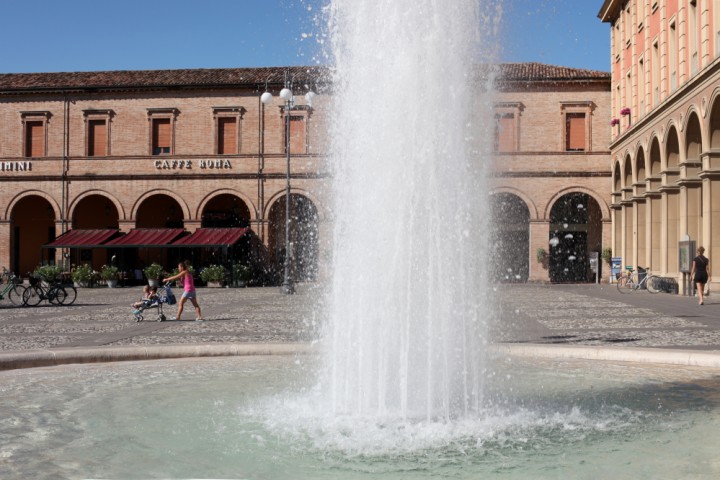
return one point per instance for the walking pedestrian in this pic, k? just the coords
(188, 283)
(700, 273)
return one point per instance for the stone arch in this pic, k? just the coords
(654, 159)
(294, 191)
(229, 210)
(576, 226)
(183, 205)
(33, 219)
(640, 164)
(672, 148)
(714, 120)
(616, 178)
(160, 211)
(693, 137)
(509, 252)
(627, 177)
(51, 200)
(118, 206)
(604, 208)
(532, 208)
(303, 236)
(252, 208)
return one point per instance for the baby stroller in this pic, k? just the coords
(164, 295)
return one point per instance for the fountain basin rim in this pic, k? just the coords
(62, 356)
(12, 360)
(645, 355)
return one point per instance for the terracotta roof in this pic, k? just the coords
(233, 77)
(159, 78)
(533, 71)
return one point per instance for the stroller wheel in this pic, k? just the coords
(162, 318)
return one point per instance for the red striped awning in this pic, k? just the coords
(146, 237)
(212, 237)
(79, 238)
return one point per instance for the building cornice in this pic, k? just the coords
(609, 10)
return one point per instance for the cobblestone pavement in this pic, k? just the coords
(103, 317)
(600, 315)
(545, 314)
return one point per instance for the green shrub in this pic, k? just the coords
(48, 273)
(213, 273)
(109, 272)
(83, 274)
(153, 271)
(242, 272)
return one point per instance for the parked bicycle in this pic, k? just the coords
(55, 294)
(630, 281)
(13, 289)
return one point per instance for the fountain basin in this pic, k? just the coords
(255, 418)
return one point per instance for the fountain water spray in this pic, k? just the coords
(407, 306)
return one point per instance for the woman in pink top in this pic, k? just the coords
(188, 291)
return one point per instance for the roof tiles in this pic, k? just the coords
(234, 77)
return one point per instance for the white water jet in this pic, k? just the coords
(408, 307)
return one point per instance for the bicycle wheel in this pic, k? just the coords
(16, 295)
(652, 284)
(32, 296)
(57, 295)
(627, 285)
(70, 295)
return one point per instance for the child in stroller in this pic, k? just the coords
(151, 299)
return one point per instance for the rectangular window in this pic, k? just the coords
(34, 139)
(641, 87)
(97, 138)
(227, 136)
(575, 132)
(693, 36)
(505, 133)
(655, 69)
(672, 56)
(161, 136)
(297, 134)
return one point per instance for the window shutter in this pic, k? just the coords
(227, 136)
(97, 138)
(575, 135)
(505, 133)
(297, 134)
(35, 141)
(161, 134)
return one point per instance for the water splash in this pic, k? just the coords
(407, 305)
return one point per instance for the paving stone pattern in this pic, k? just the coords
(103, 316)
(544, 314)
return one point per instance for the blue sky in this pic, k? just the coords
(77, 35)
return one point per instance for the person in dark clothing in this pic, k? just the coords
(700, 273)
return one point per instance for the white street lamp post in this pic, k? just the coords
(287, 95)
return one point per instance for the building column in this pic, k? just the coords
(5, 244)
(192, 225)
(126, 225)
(539, 238)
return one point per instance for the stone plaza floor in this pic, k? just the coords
(593, 315)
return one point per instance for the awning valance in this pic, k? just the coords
(212, 237)
(146, 237)
(79, 238)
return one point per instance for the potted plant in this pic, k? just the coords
(48, 274)
(83, 275)
(110, 274)
(242, 274)
(213, 275)
(153, 272)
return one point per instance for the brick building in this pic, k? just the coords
(550, 176)
(156, 155)
(666, 144)
(125, 163)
